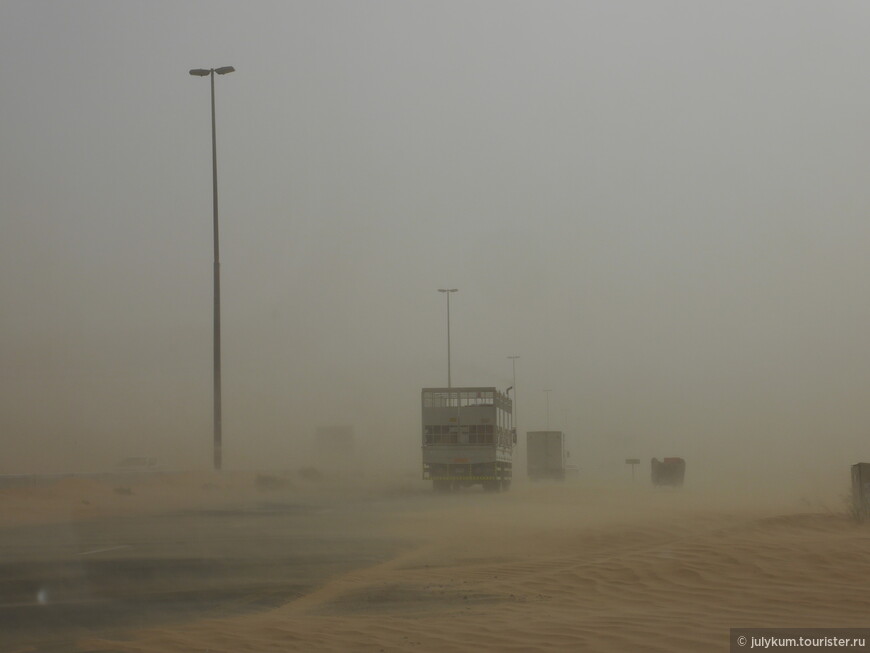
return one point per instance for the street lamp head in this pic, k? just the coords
(224, 70)
(448, 289)
(200, 72)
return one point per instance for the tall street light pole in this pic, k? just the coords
(513, 360)
(547, 392)
(448, 291)
(218, 456)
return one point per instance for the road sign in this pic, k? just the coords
(632, 462)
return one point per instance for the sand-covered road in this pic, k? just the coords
(227, 567)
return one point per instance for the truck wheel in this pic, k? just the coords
(491, 486)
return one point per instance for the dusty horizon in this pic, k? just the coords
(660, 208)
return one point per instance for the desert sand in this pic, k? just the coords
(551, 567)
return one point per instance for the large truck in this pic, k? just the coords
(545, 455)
(670, 471)
(468, 438)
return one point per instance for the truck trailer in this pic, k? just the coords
(545, 455)
(468, 438)
(670, 471)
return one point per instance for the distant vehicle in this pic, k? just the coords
(545, 455)
(670, 471)
(334, 449)
(138, 464)
(861, 491)
(468, 438)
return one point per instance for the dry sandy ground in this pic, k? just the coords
(86, 498)
(568, 567)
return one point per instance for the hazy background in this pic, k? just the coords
(662, 207)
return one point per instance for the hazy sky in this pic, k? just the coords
(662, 207)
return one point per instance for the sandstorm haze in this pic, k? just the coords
(662, 207)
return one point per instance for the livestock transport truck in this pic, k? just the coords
(468, 438)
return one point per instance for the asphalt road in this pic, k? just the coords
(59, 582)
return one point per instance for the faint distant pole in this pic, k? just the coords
(218, 444)
(547, 392)
(448, 291)
(513, 360)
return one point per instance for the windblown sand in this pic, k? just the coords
(568, 567)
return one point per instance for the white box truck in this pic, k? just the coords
(545, 455)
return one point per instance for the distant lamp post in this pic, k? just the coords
(218, 455)
(448, 291)
(513, 360)
(547, 392)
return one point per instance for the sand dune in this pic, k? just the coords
(563, 568)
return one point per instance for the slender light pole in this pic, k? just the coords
(218, 455)
(547, 392)
(448, 291)
(513, 360)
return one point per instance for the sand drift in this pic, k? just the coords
(218, 563)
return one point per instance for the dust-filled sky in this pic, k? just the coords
(662, 207)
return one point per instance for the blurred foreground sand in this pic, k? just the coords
(568, 567)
